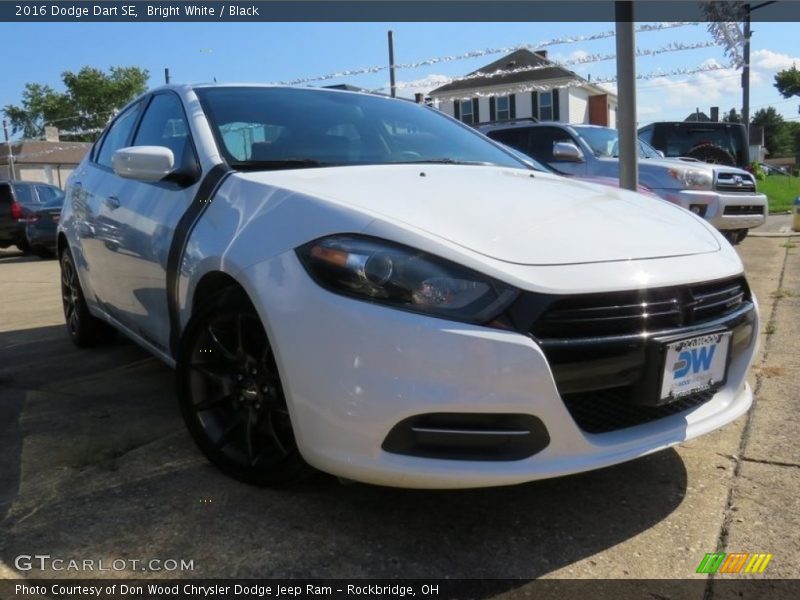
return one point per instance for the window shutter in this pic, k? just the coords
(556, 116)
(535, 105)
(492, 109)
(475, 115)
(457, 109)
(512, 106)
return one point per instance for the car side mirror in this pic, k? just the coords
(144, 163)
(567, 151)
(660, 153)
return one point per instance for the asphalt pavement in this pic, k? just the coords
(95, 463)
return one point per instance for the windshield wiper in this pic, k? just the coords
(286, 163)
(442, 161)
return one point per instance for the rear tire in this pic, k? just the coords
(231, 396)
(84, 329)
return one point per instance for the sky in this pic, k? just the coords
(278, 52)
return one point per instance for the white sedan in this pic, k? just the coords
(368, 287)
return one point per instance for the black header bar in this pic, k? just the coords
(373, 11)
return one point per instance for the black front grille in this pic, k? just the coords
(605, 350)
(736, 183)
(636, 312)
(744, 209)
(602, 411)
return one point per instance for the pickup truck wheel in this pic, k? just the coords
(231, 396)
(84, 329)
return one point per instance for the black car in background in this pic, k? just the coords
(19, 201)
(41, 227)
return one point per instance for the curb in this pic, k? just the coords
(774, 234)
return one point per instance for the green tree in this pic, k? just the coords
(788, 82)
(777, 137)
(732, 116)
(90, 99)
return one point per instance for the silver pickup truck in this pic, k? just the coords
(725, 196)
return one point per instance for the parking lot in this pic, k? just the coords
(95, 463)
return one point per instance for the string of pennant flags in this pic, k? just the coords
(534, 87)
(582, 60)
(644, 27)
(724, 34)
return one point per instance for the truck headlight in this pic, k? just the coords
(383, 272)
(692, 179)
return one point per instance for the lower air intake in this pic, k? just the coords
(468, 436)
(602, 411)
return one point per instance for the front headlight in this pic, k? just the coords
(387, 273)
(692, 179)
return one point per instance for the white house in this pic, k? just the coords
(526, 84)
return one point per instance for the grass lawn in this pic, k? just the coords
(781, 191)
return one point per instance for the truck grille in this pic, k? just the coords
(636, 312)
(742, 183)
(744, 209)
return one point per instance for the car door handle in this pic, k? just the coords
(112, 202)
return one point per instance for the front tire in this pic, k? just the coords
(231, 396)
(84, 329)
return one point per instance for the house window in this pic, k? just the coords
(546, 106)
(466, 112)
(503, 108)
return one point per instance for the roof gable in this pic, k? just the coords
(519, 59)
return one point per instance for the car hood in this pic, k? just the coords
(512, 215)
(673, 163)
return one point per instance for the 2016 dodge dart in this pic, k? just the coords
(368, 287)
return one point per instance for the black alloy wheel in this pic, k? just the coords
(231, 396)
(84, 329)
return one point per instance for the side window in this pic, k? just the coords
(542, 139)
(647, 134)
(164, 124)
(24, 193)
(117, 137)
(509, 137)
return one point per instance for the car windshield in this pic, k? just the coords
(279, 128)
(604, 142)
(50, 195)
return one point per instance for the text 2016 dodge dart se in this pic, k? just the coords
(366, 286)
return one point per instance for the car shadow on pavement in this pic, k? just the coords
(13, 258)
(95, 464)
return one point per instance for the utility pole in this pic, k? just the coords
(626, 89)
(748, 9)
(391, 65)
(166, 75)
(746, 80)
(11, 168)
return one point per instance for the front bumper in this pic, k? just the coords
(352, 371)
(723, 211)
